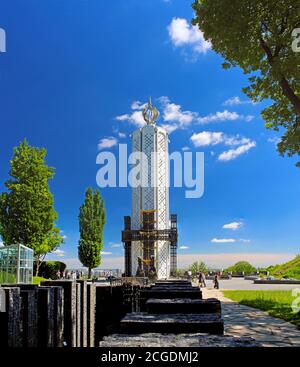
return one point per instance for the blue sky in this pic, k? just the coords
(68, 80)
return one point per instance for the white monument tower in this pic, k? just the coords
(150, 235)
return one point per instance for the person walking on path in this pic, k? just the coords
(216, 281)
(202, 279)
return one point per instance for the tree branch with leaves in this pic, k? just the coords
(27, 214)
(256, 35)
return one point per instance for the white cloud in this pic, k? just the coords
(182, 34)
(107, 143)
(234, 153)
(185, 149)
(173, 113)
(169, 128)
(274, 140)
(234, 101)
(137, 105)
(106, 253)
(121, 135)
(183, 247)
(206, 138)
(116, 245)
(124, 117)
(233, 225)
(59, 253)
(223, 116)
(244, 240)
(136, 118)
(174, 117)
(223, 240)
(1, 244)
(219, 116)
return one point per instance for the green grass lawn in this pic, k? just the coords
(38, 280)
(275, 303)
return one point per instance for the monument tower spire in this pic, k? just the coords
(150, 234)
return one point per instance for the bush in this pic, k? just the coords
(49, 269)
(241, 267)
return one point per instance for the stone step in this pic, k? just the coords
(183, 305)
(176, 340)
(172, 286)
(171, 293)
(137, 323)
(171, 282)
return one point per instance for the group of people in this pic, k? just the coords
(70, 275)
(202, 283)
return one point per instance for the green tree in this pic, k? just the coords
(241, 267)
(198, 266)
(91, 224)
(27, 214)
(257, 36)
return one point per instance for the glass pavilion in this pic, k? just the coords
(16, 264)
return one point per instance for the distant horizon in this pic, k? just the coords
(217, 261)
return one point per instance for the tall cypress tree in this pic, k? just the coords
(91, 223)
(27, 214)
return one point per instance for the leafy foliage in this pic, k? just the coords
(49, 269)
(241, 267)
(198, 266)
(256, 35)
(290, 269)
(27, 215)
(91, 223)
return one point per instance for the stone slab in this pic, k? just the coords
(69, 287)
(83, 312)
(11, 320)
(136, 323)
(176, 340)
(45, 316)
(91, 314)
(171, 294)
(30, 317)
(183, 305)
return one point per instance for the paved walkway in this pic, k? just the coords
(240, 320)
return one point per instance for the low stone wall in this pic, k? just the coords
(64, 313)
(276, 281)
(55, 314)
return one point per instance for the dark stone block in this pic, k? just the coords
(78, 315)
(172, 293)
(183, 305)
(176, 340)
(58, 316)
(11, 331)
(30, 317)
(69, 317)
(45, 317)
(83, 312)
(137, 323)
(91, 314)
